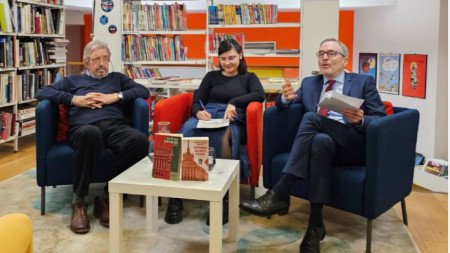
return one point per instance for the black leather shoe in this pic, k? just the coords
(266, 205)
(173, 213)
(224, 211)
(311, 240)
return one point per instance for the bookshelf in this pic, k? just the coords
(30, 57)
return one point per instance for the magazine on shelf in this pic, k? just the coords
(213, 123)
(436, 167)
(337, 102)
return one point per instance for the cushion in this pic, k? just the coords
(388, 107)
(63, 123)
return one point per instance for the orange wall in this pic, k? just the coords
(286, 38)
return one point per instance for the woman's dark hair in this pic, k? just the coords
(229, 44)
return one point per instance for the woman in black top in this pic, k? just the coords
(225, 93)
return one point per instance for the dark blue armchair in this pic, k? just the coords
(368, 190)
(54, 158)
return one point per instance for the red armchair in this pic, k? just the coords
(177, 110)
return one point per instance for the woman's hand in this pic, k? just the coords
(203, 115)
(230, 112)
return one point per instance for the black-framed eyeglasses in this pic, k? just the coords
(330, 54)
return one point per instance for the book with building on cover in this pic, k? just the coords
(194, 161)
(167, 156)
(337, 102)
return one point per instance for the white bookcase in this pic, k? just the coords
(33, 25)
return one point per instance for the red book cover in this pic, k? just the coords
(194, 161)
(166, 158)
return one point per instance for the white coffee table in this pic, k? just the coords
(138, 180)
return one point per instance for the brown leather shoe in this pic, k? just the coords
(79, 223)
(101, 210)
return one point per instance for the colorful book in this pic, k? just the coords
(167, 156)
(194, 161)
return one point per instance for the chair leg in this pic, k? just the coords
(141, 200)
(42, 200)
(369, 235)
(405, 216)
(252, 192)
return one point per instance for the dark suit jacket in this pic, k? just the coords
(355, 85)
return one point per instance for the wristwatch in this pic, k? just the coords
(120, 95)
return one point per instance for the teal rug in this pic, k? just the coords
(345, 232)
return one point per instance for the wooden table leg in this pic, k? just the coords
(151, 207)
(233, 210)
(215, 226)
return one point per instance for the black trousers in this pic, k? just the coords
(127, 143)
(320, 144)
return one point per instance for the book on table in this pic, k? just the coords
(167, 156)
(194, 161)
(213, 123)
(337, 102)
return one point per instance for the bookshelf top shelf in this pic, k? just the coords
(200, 32)
(43, 67)
(7, 104)
(248, 55)
(41, 35)
(7, 70)
(294, 25)
(56, 6)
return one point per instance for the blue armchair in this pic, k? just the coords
(368, 190)
(54, 158)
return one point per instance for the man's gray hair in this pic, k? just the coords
(343, 46)
(95, 44)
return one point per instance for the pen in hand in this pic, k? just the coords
(201, 103)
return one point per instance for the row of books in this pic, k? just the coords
(38, 52)
(180, 158)
(40, 20)
(6, 49)
(29, 81)
(153, 48)
(6, 17)
(216, 38)
(7, 124)
(55, 2)
(148, 17)
(134, 72)
(6, 88)
(26, 120)
(243, 14)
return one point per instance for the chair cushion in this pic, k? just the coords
(388, 108)
(61, 155)
(63, 123)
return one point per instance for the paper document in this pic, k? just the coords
(337, 102)
(213, 123)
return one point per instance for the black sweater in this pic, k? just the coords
(238, 90)
(63, 91)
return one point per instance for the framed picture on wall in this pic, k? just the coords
(389, 77)
(414, 75)
(368, 64)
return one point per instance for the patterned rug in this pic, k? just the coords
(345, 232)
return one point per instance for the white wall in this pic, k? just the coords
(412, 26)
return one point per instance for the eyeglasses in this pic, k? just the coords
(99, 59)
(330, 54)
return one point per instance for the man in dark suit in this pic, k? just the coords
(324, 138)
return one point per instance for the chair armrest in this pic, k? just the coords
(279, 130)
(390, 159)
(254, 116)
(176, 110)
(46, 117)
(140, 115)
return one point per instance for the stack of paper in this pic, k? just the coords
(213, 123)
